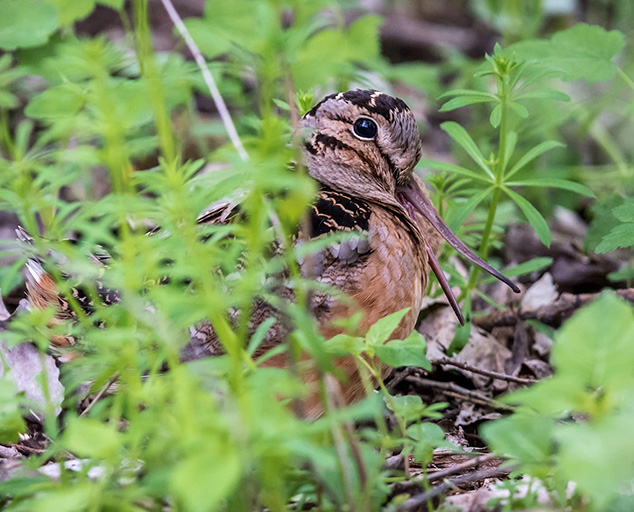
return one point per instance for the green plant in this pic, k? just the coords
(93, 145)
(212, 434)
(572, 427)
(519, 73)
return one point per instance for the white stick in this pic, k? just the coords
(209, 79)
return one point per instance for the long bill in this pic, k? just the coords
(414, 200)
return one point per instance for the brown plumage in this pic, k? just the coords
(361, 147)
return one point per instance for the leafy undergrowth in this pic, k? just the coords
(103, 139)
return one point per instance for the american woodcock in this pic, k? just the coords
(361, 147)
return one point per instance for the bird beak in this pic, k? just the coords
(414, 200)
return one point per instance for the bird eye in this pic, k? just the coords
(365, 129)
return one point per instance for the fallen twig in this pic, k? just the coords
(459, 468)
(101, 392)
(452, 389)
(25, 450)
(445, 361)
(552, 314)
(477, 476)
(433, 476)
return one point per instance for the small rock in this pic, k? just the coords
(25, 365)
(542, 293)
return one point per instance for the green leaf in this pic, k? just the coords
(408, 407)
(534, 218)
(428, 437)
(593, 380)
(457, 218)
(72, 10)
(57, 102)
(622, 234)
(199, 485)
(468, 92)
(553, 183)
(594, 346)
(496, 116)
(209, 41)
(427, 432)
(598, 457)
(525, 268)
(69, 498)
(26, 23)
(625, 212)
(408, 352)
(11, 421)
(380, 332)
(603, 220)
(460, 338)
(452, 168)
(532, 154)
(582, 51)
(623, 274)
(620, 237)
(524, 436)
(89, 437)
(593, 359)
(463, 101)
(520, 110)
(343, 344)
(259, 335)
(460, 135)
(346, 49)
(545, 94)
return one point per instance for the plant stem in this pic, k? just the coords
(497, 191)
(625, 78)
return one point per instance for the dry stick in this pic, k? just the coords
(25, 450)
(401, 487)
(418, 500)
(209, 79)
(101, 392)
(445, 361)
(453, 389)
(552, 314)
(458, 468)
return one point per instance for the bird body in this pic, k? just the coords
(361, 147)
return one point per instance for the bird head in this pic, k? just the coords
(366, 144)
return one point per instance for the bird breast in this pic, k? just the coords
(395, 276)
(391, 275)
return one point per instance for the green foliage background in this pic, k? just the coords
(95, 135)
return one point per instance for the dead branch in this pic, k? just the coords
(459, 468)
(472, 463)
(446, 361)
(553, 314)
(418, 500)
(100, 394)
(452, 389)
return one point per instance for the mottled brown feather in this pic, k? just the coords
(383, 268)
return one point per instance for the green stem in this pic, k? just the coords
(625, 78)
(497, 191)
(152, 76)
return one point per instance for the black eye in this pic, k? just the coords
(365, 128)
